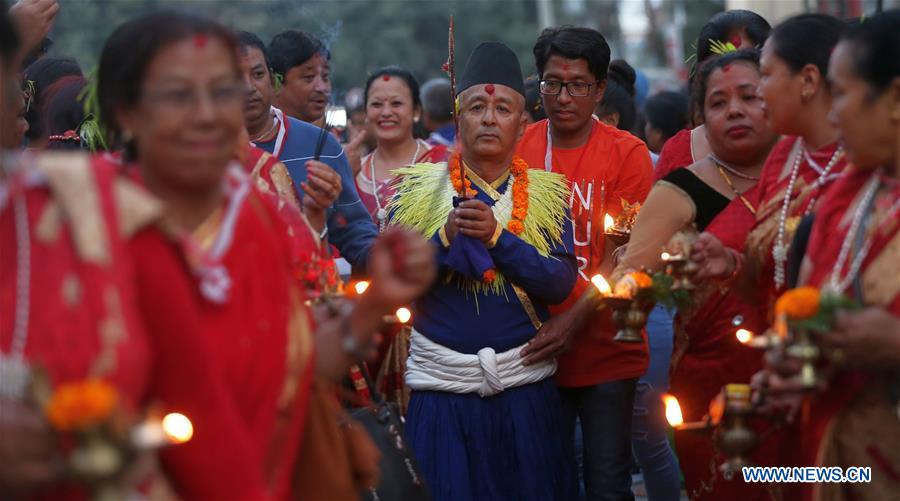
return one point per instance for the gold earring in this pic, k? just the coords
(806, 96)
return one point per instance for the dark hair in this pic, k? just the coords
(876, 49)
(435, 95)
(667, 111)
(395, 71)
(291, 48)
(62, 110)
(619, 95)
(701, 83)
(533, 103)
(42, 74)
(807, 39)
(573, 43)
(246, 39)
(9, 39)
(133, 45)
(724, 25)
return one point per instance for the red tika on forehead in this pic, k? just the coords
(200, 40)
(386, 78)
(565, 67)
(489, 88)
(735, 40)
(726, 68)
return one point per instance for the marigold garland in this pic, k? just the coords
(519, 171)
(798, 304)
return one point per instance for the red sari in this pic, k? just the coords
(256, 319)
(707, 356)
(854, 422)
(808, 188)
(109, 298)
(384, 191)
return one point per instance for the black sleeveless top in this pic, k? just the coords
(708, 201)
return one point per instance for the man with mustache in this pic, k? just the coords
(482, 425)
(605, 166)
(326, 187)
(303, 64)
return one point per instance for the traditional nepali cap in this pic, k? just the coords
(493, 63)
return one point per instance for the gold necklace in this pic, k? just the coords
(267, 132)
(738, 194)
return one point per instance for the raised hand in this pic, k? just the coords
(714, 261)
(28, 450)
(868, 338)
(322, 187)
(475, 219)
(351, 149)
(34, 19)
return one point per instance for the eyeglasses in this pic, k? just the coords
(190, 99)
(575, 89)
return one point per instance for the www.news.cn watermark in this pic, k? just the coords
(807, 474)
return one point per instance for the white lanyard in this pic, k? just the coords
(548, 155)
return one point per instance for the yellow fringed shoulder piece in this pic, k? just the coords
(424, 198)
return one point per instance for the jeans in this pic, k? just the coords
(605, 412)
(654, 454)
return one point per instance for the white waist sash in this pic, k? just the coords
(431, 366)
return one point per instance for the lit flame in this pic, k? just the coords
(744, 336)
(601, 284)
(178, 428)
(665, 256)
(673, 411)
(403, 315)
(361, 286)
(608, 222)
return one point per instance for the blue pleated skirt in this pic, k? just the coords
(509, 446)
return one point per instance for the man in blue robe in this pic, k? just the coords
(482, 425)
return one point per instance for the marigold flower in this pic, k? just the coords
(798, 304)
(81, 404)
(516, 227)
(641, 279)
(489, 276)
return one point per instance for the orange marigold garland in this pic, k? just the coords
(516, 224)
(519, 170)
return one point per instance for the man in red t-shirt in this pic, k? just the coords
(597, 375)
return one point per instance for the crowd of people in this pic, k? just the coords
(184, 230)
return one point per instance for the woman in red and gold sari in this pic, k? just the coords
(91, 290)
(743, 29)
(714, 194)
(170, 89)
(854, 249)
(799, 169)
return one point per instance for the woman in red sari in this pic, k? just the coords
(713, 194)
(799, 169)
(170, 89)
(854, 249)
(741, 28)
(90, 288)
